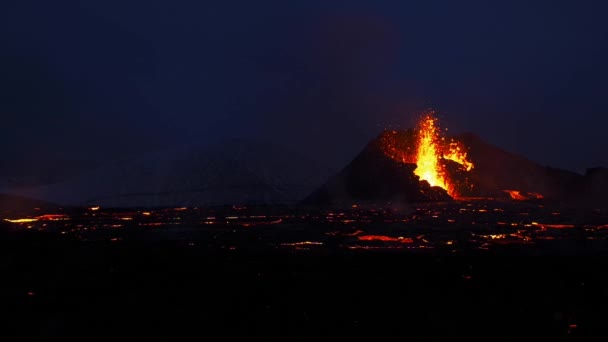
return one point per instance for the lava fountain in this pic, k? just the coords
(428, 154)
(430, 151)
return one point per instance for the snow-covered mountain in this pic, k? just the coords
(234, 172)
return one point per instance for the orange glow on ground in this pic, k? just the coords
(515, 194)
(53, 217)
(554, 226)
(23, 220)
(303, 243)
(384, 238)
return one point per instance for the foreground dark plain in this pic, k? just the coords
(500, 270)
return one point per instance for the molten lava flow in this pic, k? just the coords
(516, 195)
(22, 220)
(384, 238)
(521, 196)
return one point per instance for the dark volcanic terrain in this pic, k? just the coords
(503, 270)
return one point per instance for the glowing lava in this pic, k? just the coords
(383, 238)
(522, 196)
(457, 154)
(427, 153)
(431, 151)
(426, 147)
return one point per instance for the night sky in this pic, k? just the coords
(110, 79)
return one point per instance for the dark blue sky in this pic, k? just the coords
(108, 79)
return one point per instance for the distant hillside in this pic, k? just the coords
(233, 172)
(496, 170)
(11, 203)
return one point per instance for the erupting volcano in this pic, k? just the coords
(431, 154)
(423, 164)
(416, 165)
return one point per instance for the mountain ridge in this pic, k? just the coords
(495, 171)
(238, 171)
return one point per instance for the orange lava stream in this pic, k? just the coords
(516, 195)
(385, 238)
(519, 196)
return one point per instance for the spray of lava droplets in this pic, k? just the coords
(427, 153)
(431, 148)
